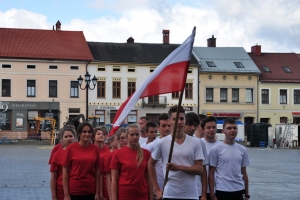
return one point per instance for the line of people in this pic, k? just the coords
(136, 162)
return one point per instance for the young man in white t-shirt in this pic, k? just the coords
(151, 130)
(186, 161)
(142, 123)
(227, 167)
(209, 127)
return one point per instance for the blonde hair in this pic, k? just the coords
(140, 154)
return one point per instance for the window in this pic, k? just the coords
(249, 95)
(286, 69)
(101, 89)
(283, 96)
(209, 94)
(101, 69)
(131, 88)
(152, 69)
(296, 96)
(5, 120)
(74, 67)
(31, 88)
(131, 69)
(190, 70)
(53, 67)
(52, 88)
(74, 89)
(266, 69)
(153, 99)
(239, 65)
(210, 64)
(223, 95)
(265, 96)
(6, 66)
(175, 95)
(235, 95)
(116, 68)
(189, 90)
(6, 87)
(116, 89)
(30, 66)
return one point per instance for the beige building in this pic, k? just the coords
(38, 78)
(227, 83)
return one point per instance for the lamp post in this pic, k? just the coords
(87, 87)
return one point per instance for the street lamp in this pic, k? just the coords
(87, 87)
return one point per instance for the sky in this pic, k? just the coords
(273, 24)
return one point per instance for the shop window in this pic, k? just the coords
(74, 89)
(6, 85)
(30, 88)
(283, 120)
(235, 95)
(265, 96)
(209, 94)
(52, 88)
(101, 89)
(5, 120)
(189, 90)
(100, 120)
(223, 95)
(131, 88)
(132, 117)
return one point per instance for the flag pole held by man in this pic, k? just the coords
(168, 77)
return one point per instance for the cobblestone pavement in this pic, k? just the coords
(273, 174)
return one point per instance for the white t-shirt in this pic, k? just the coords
(228, 160)
(158, 167)
(208, 146)
(204, 162)
(180, 184)
(142, 140)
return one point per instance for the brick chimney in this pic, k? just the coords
(166, 36)
(211, 42)
(256, 50)
(130, 40)
(58, 25)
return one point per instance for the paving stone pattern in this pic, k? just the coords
(273, 174)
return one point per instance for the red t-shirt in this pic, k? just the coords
(132, 180)
(105, 161)
(103, 150)
(56, 164)
(82, 162)
(55, 149)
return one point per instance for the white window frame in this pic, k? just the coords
(294, 96)
(287, 96)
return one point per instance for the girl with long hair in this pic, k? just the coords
(81, 171)
(67, 135)
(130, 177)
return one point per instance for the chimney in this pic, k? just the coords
(166, 37)
(256, 50)
(58, 25)
(211, 42)
(130, 40)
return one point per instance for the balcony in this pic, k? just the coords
(154, 101)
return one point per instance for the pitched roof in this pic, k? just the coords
(275, 62)
(132, 52)
(224, 59)
(43, 44)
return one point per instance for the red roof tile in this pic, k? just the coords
(43, 44)
(275, 62)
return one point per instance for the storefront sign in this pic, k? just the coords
(227, 114)
(108, 107)
(23, 105)
(296, 114)
(188, 108)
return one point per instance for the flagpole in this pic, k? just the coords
(173, 137)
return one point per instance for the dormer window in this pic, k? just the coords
(210, 63)
(286, 69)
(239, 65)
(266, 69)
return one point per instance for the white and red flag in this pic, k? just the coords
(169, 76)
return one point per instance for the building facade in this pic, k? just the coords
(38, 78)
(122, 67)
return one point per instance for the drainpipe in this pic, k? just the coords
(257, 101)
(198, 87)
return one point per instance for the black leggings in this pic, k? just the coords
(83, 197)
(237, 195)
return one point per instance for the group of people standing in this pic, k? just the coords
(137, 159)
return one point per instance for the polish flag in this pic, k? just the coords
(168, 77)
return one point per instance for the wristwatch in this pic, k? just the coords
(247, 196)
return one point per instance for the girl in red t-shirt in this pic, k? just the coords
(99, 140)
(67, 134)
(122, 137)
(81, 167)
(130, 177)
